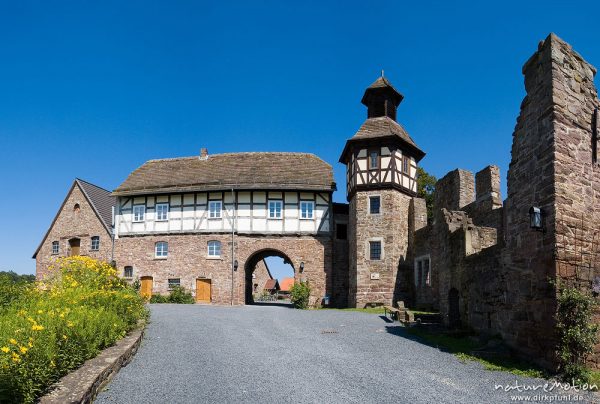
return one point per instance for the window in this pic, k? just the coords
(161, 249)
(374, 205)
(405, 164)
(55, 247)
(422, 272)
(214, 248)
(128, 272)
(306, 210)
(139, 211)
(76, 208)
(174, 282)
(373, 159)
(214, 209)
(374, 250)
(95, 243)
(341, 231)
(162, 211)
(275, 209)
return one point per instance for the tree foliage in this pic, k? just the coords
(299, 294)
(577, 333)
(425, 188)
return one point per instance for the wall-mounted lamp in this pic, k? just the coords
(535, 218)
(302, 267)
(235, 265)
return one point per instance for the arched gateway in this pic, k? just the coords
(256, 283)
(212, 217)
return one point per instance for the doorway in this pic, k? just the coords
(203, 290)
(74, 246)
(146, 287)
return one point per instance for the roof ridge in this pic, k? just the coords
(230, 154)
(94, 185)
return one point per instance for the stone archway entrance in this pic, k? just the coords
(250, 266)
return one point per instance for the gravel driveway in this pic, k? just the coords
(256, 354)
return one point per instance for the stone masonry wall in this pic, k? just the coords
(260, 277)
(340, 268)
(187, 259)
(391, 228)
(82, 224)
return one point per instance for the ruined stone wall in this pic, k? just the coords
(385, 280)
(71, 223)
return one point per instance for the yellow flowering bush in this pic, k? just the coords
(53, 326)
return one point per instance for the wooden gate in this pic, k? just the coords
(203, 287)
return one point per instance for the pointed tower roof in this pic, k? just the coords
(382, 99)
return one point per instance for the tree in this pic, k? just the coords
(425, 188)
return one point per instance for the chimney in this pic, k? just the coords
(204, 153)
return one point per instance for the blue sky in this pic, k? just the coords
(94, 89)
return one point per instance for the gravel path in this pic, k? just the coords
(253, 354)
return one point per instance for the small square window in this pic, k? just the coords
(174, 282)
(214, 209)
(128, 272)
(275, 209)
(162, 249)
(95, 245)
(374, 250)
(55, 247)
(374, 205)
(139, 213)
(214, 248)
(307, 210)
(162, 211)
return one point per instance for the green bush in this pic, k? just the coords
(159, 299)
(180, 296)
(58, 324)
(577, 334)
(177, 295)
(300, 294)
(12, 288)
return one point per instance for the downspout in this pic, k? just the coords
(112, 236)
(232, 243)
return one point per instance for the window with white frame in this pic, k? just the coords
(139, 213)
(128, 272)
(55, 247)
(275, 209)
(162, 212)
(214, 209)
(214, 248)
(174, 282)
(307, 210)
(161, 249)
(95, 246)
(422, 271)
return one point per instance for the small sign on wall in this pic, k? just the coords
(374, 275)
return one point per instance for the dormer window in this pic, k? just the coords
(373, 160)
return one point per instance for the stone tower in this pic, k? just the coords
(381, 166)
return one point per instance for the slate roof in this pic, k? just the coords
(260, 170)
(383, 127)
(99, 198)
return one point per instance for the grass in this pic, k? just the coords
(462, 347)
(370, 310)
